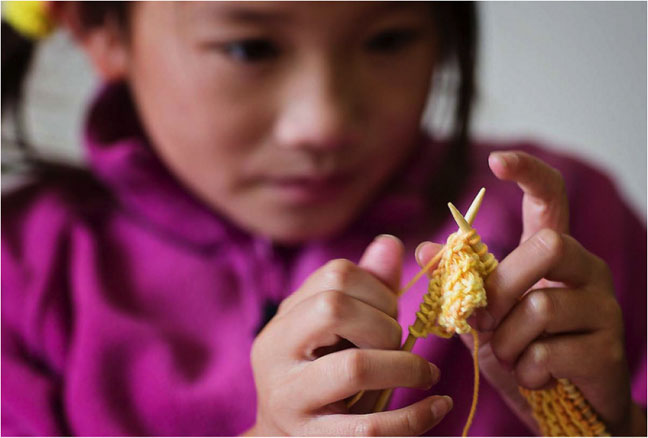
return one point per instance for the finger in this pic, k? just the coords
(330, 315)
(545, 203)
(412, 420)
(344, 373)
(426, 252)
(546, 311)
(581, 358)
(545, 255)
(384, 259)
(343, 275)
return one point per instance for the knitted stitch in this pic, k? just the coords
(455, 290)
(456, 287)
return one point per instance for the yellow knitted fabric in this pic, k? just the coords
(455, 290)
(456, 287)
(563, 411)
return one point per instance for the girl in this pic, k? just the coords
(243, 159)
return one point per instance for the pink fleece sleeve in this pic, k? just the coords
(35, 320)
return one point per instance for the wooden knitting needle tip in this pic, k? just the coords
(474, 207)
(385, 395)
(459, 219)
(470, 218)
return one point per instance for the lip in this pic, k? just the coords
(307, 189)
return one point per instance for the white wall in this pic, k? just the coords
(572, 75)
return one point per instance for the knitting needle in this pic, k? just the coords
(470, 217)
(409, 343)
(474, 206)
(479, 246)
(459, 219)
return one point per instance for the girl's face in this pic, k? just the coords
(286, 117)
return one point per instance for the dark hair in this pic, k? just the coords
(458, 30)
(17, 54)
(456, 21)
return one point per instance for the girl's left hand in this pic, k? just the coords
(551, 308)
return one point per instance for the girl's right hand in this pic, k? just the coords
(304, 373)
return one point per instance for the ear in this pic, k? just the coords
(107, 50)
(106, 44)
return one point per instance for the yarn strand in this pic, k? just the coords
(455, 290)
(473, 406)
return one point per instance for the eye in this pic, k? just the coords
(392, 40)
(250, 50)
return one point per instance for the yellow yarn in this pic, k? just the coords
(29, 18)
(455, 290)
(563, 411)
(456, 287)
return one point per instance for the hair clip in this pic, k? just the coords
(30, 19)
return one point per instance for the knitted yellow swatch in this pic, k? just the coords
(456, 287)
(455, 290)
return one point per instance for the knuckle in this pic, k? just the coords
(616, 355)
(611, 310)
(540, 354)
(539, 306)
(330, 305)
(356, 368)
(532, 372)
(412, 424)
(365, 427)
(615, 351)
(551, 243)
(285, 304)
(338, 273)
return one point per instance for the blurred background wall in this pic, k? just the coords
(571, 75)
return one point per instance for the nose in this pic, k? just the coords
(316, 110)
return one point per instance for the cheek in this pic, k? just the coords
(202, 135)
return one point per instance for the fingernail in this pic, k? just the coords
(450, 402)
(485, 321)
(435, 373)
(441, 406)
(388, 236)
(510, 158)
(505, 159)
(417, 250)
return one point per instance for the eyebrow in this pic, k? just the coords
(249, 15)
(243, 14)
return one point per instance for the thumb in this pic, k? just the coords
(384, 259)
(425, 252)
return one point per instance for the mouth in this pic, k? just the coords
(308, 189)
